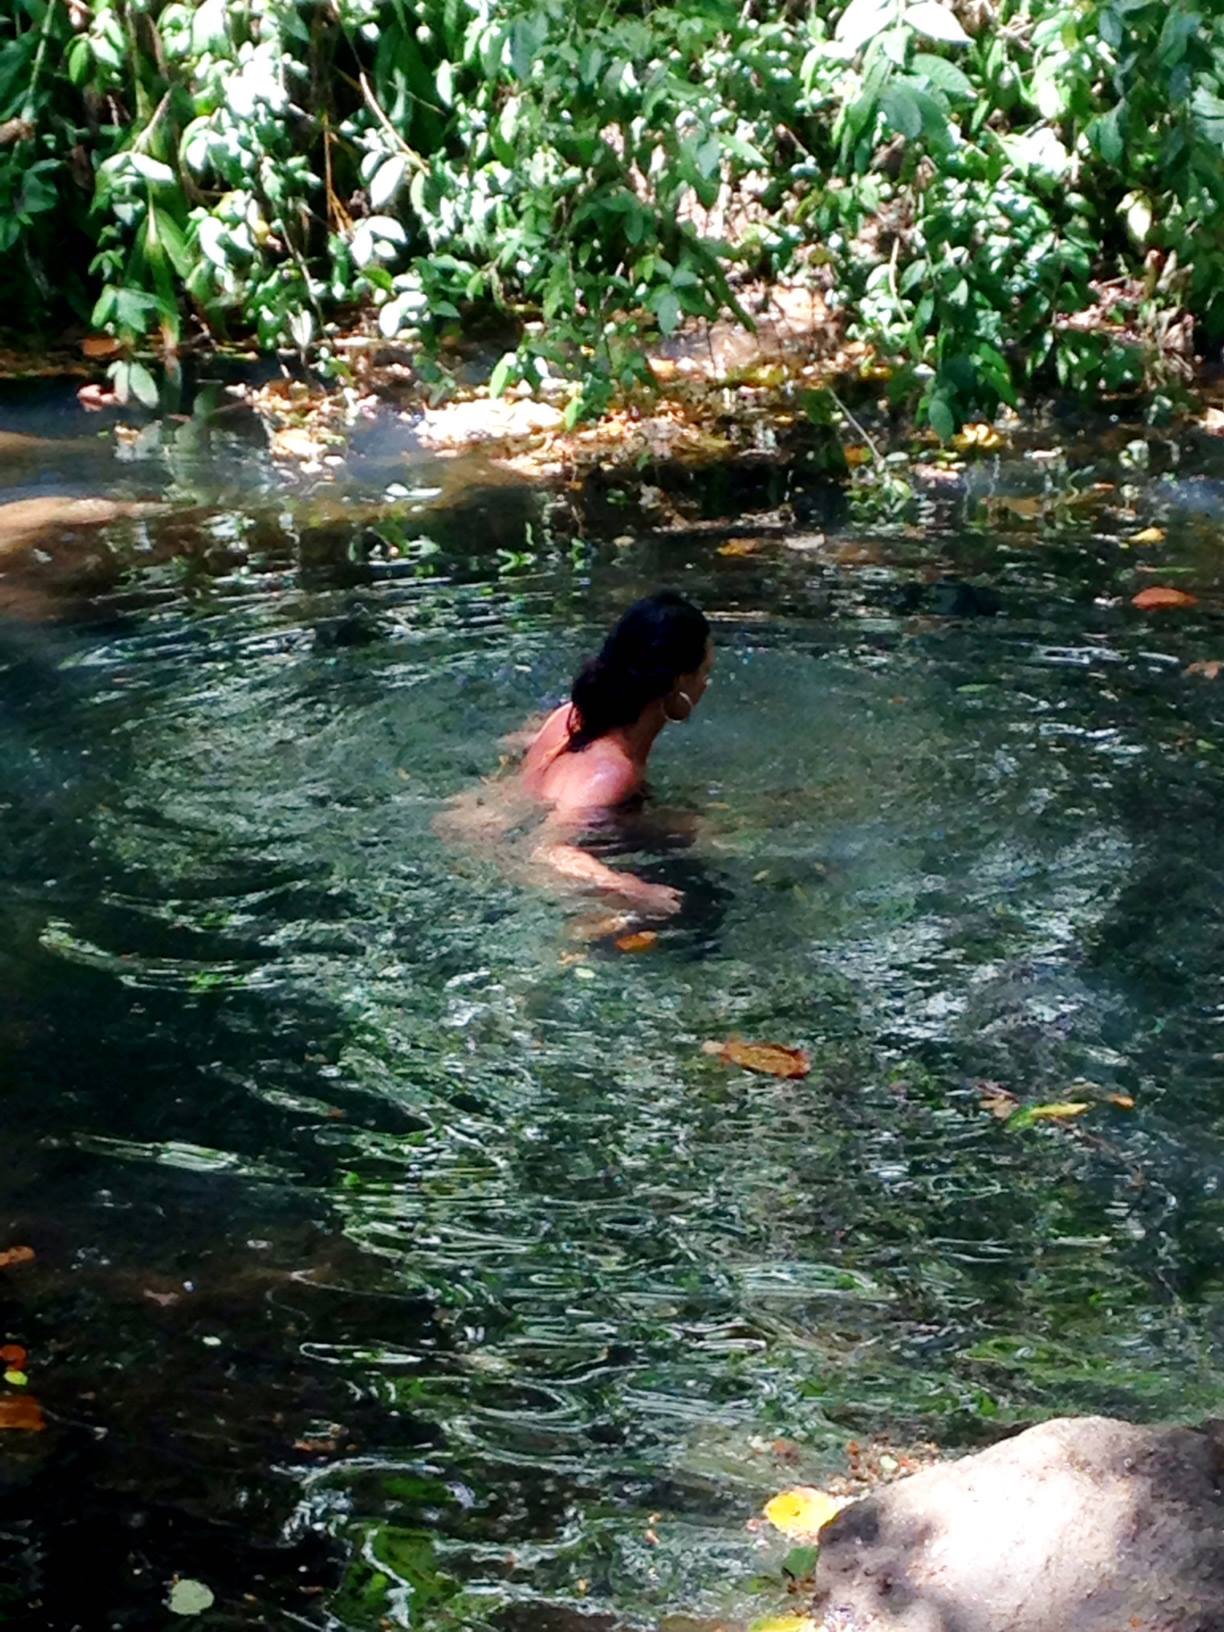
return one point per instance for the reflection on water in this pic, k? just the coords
(401, 1257)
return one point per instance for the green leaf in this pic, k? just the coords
(387, 181)
(527, 35)
(1105, 134)
(943, 420)
(667, 310)
(152, 170)
(502, 374)
(190, 1598)
(142, 385)
(862, 21)
(943, 75)
(444, 83)
(936, 22)
(901, 109)
(208, 26)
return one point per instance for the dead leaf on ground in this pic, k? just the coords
(1149, 535)
(771, 1059)
(22, 1413)
(1161, 595)
(1027, 508)
(16, 1255)
(740, 546)
(640, 941)
(12, 1354)
(1209, 667)
(856, 454)
(803, 1511)
(978, 438)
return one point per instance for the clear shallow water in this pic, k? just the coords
(394, 1265)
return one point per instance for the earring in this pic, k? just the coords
(669, 706)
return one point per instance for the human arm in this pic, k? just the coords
(576, 810)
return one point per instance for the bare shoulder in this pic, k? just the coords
(598, 778)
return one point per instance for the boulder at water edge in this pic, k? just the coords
(1083, 1524)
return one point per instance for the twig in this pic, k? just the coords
(371, 101)
(861, 429)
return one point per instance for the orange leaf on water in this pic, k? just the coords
(803, 1511)
(1209, 667)
(16, 1255)
(1160, 595)
(771, 1059)
(641, 941)
(99, 345)
(14, 1355)
(739, 546)
(21, 1411)
(1124, 1102)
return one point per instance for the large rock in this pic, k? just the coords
(1080, 1525)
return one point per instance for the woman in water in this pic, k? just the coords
(589, 757)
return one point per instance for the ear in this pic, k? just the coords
(677, 706)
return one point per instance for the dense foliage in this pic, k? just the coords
(990, 192)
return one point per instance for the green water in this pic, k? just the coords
(402, 1260)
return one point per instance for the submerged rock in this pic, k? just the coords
(1078, 1525)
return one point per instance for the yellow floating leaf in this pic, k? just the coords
(739, 546)
(771, 1059)
(803, 1511)
(1149, 535)
(1059, 1113)
(785, 1623)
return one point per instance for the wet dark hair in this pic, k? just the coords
(656, 641)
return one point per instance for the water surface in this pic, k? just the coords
(402, 1259)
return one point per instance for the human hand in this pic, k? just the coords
(658, 900)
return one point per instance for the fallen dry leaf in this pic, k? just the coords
(978, 438)
(803, 1511)
(16, 1255)
(1025, 507)
(21, 1412)
(1160, 595)
(1149, 535)
(771, 1059)
(1209, 667)
(858, 455)
(739, 546)
(641, 941)
(12, 1354)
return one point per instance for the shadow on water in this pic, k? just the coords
(401, 1258)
